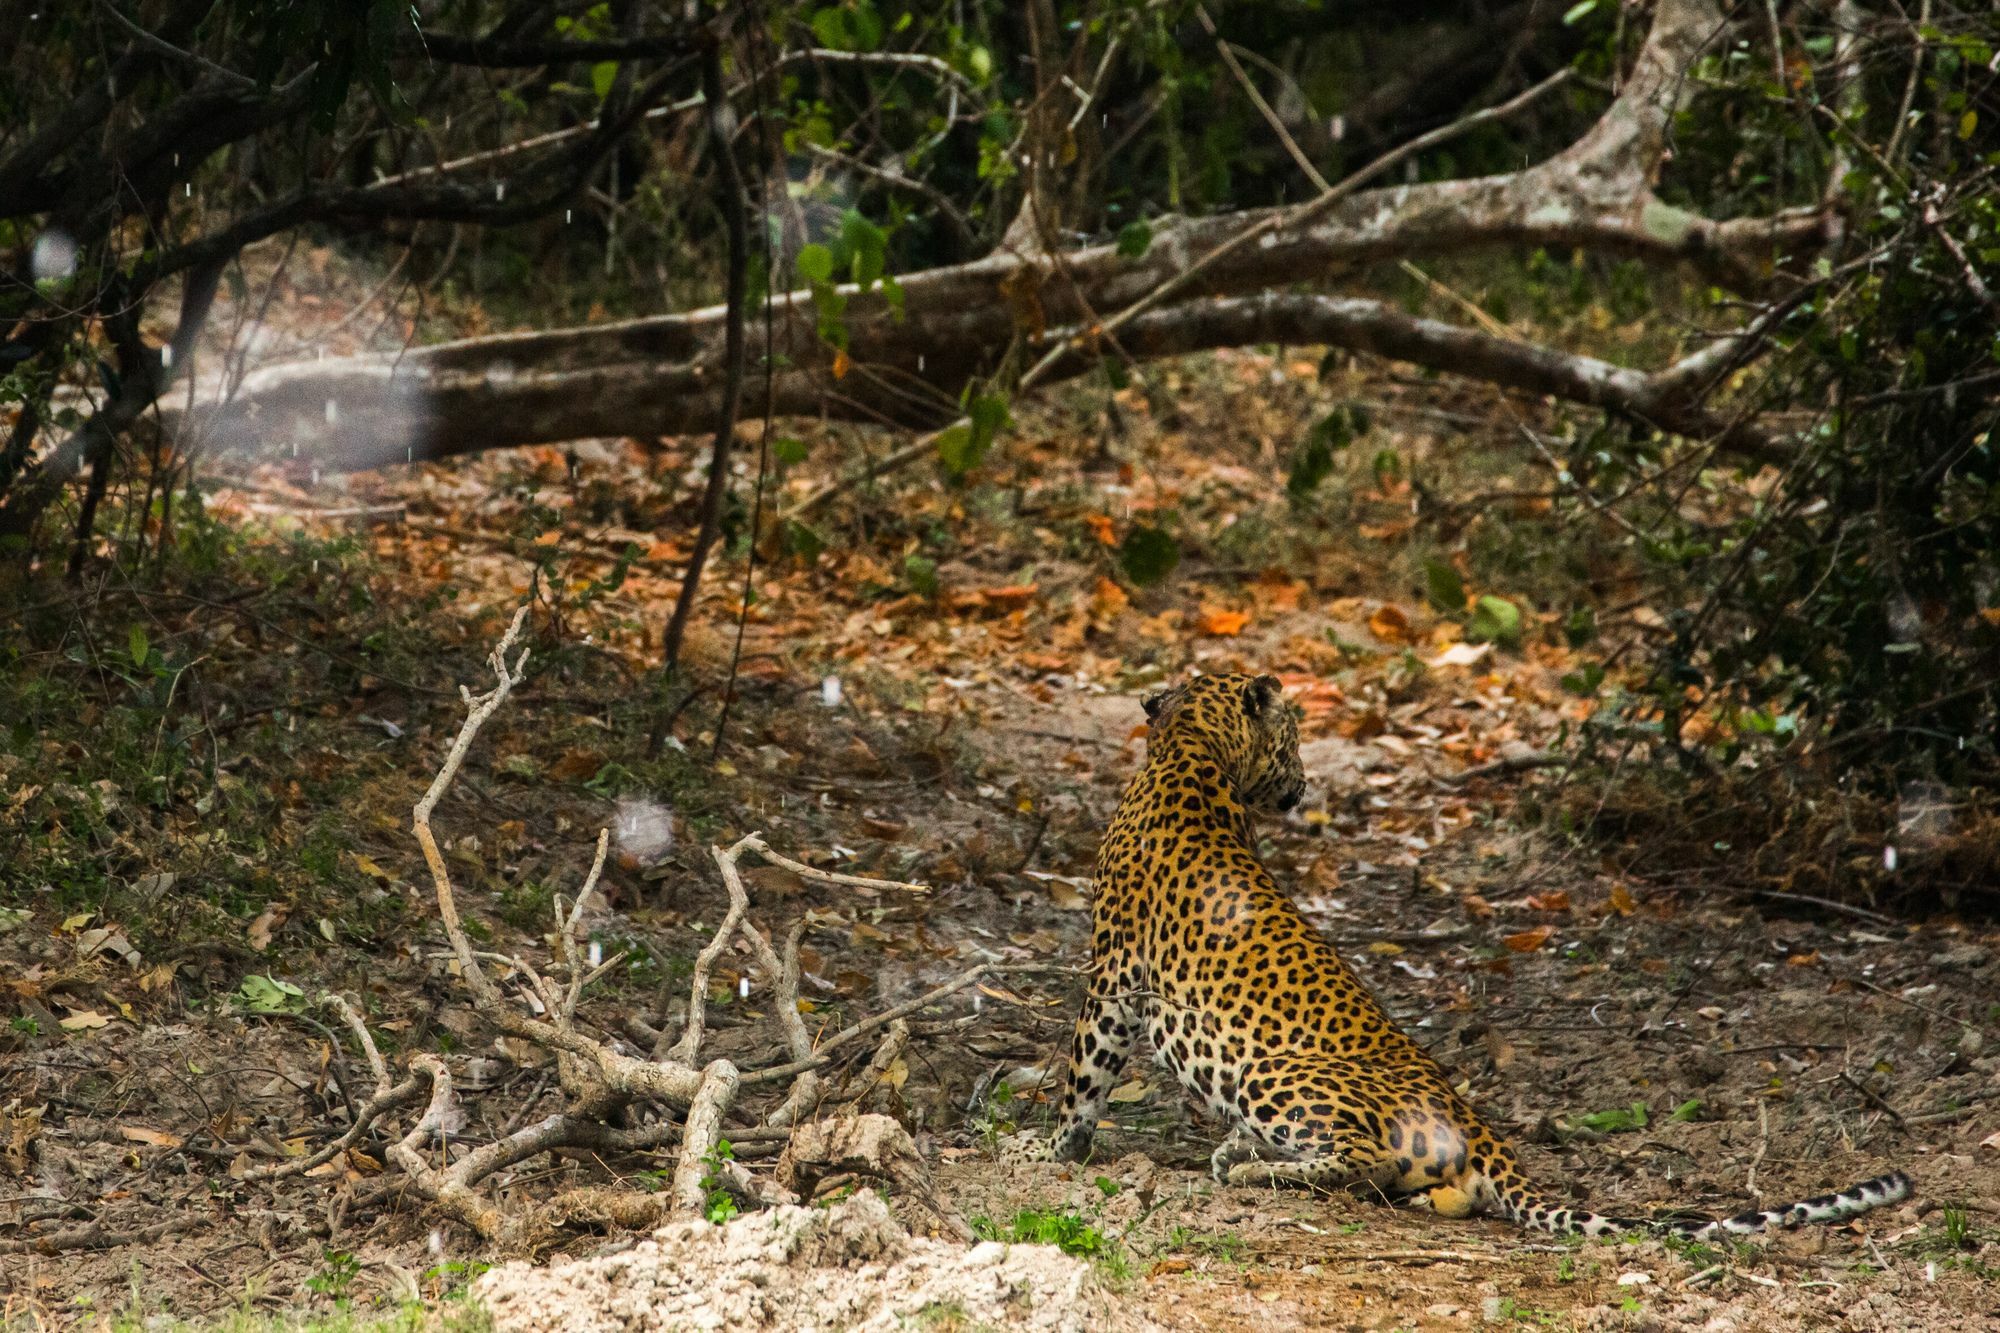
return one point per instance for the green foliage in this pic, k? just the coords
(1332, 433)
(1494, 620)
(718, 1204)
(268, 995)
(1066, 1229)
(1148, 555)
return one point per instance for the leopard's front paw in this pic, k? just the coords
(1068, 1144)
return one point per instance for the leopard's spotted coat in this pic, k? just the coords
(1194, 945)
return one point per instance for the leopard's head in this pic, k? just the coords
(1252, 720)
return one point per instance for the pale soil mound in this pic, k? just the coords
(848, 1267)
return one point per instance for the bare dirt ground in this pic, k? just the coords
(1651, 1044)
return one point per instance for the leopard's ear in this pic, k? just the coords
(1153, 702)
(1261, 693)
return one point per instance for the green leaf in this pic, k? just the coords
(1685, 1112)
(815, 263)
(1576, 13)
(1613, 1122)
(921, 571)
(1148, 555)
(788, 451)
(1134, 239)
(1312, 465)
(602, 75)
(868, 245)
(1495, 620)
(830, 26)
(268, 995)
(1444, 587)
(989, 414)
(955, 449)
(137, 644)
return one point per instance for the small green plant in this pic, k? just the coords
(1524, 1314)
(1066, 1229)
(1566, 1268)
(336, 1274)
(718, 1205)
(1957, 1228)
(1229, 1248)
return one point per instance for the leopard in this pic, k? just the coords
(1260, 1021)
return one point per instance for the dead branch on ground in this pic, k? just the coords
(692, 1101)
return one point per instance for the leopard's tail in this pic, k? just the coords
(1538, 1214)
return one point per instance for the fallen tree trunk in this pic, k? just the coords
(908, 363)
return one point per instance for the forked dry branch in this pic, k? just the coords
(600, 1083)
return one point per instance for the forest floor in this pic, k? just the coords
(948, 693)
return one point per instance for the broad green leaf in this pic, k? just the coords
(1495, 620)
(1148, 555)
(1134, 239)
(1444, 587)
(867, 246)
(268, 995)
(602, 75)
(788, 450)
(138, 645)
(955, 449)
(815, 263)
(921, 571)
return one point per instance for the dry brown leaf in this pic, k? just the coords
(1389, 624)
(1621, 900)
(267, 922)
(1528, 941)
(1101, 527)
(158, 1138)
(842, 363)
(1555, 900)
(577, 766)
(80, 1020)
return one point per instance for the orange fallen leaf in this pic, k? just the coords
(1101, 528)
(1224, 624)
(841, 363)
(1808, 959)
(1476, 907)
(158, 1138)
(1108, 599)
(1556, 900)
(1622, 901)
(1008, 599)
(1389, 623)
(1528, 941)
(1990, 614)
